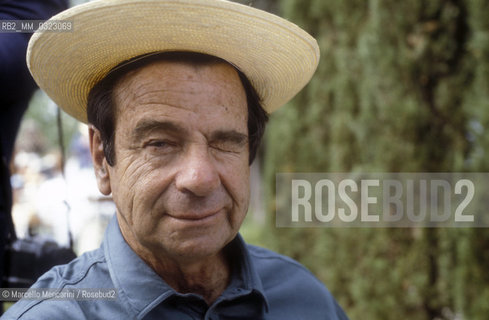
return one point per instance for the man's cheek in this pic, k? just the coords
(132, 170)
(125, 184)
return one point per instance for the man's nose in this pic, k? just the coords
(198, 173)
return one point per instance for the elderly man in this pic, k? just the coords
(176, 94)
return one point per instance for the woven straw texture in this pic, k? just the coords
(277, 56)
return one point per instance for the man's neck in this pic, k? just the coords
(207, 276)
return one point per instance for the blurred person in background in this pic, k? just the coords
(16, 89)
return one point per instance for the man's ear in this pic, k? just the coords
(99, 162)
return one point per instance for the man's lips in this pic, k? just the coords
(195, 216)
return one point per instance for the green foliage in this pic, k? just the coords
(402, 86)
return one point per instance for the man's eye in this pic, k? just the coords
(160, 145)
(227, 147)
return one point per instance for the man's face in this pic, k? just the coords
(181, 177)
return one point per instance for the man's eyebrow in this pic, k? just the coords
(229, 135)
(146, 126)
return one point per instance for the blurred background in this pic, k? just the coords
(402, 86)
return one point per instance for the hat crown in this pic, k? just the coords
(278, 57)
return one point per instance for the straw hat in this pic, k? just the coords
(278, 57)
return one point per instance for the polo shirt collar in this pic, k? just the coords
(138, 285)
(140, 289)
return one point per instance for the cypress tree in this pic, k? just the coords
(402, 86)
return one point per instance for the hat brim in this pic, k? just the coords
(278, 57)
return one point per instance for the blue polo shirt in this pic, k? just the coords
(264, 285)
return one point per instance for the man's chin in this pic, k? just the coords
(198, 250)
(195, 246)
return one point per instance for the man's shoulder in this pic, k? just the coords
(274, 268)
(87, 271)
(264, 254)
(292, 291)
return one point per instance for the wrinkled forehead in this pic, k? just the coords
(182, 89)
(128, 69)
(164, 78)
(197, 60)
(178, 71)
